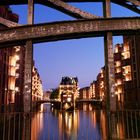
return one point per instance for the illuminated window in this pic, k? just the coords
(12, 71)
(11, 83)
(127, 73)
(17, 48)
(126, 55)
(118, 70)
(17, 57)
(128, 77)
(101, 84)
(126, 47)
(119, 90)
(116, 50)
(12, 61)
(119, 99)
(127, 69)
(119, 81)
(118, 63)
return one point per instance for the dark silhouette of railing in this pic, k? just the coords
(22, 126)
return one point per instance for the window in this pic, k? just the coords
(127, 73)
(119, 81)
(118, 63)
(118, 70)
(128, 77)
(127, 69)
(116, 50)
(126, 55)
(12, 71)
(126, 47)
(12, 61)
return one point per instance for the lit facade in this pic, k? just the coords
(11, 70)
(84, 93)
(68, 88)
(100, 93)
(119, 82)
(37, 90)
(127, 73)
(12, 60)
(93, 89)
(11, 78)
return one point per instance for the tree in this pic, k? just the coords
(54, 94)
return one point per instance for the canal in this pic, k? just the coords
(84, 123)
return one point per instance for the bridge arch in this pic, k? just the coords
(69, 29)
(130, 4)
(73, 29)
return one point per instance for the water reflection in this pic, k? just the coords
(52, 124)
(85, 123)
(37, 124)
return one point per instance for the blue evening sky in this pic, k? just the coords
(78, 57)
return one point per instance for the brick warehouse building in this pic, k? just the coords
(127, 73)
(11, 70)
(12, 60)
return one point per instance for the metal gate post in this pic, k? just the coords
(28, 63)
(109, 70)
(28, 76)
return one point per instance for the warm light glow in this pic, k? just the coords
(12, 61)
(17, 48)
(127, 73)
(11, 83)
(16, 88)
(118, 63)
(128, 77)
(126, 55)
(102, 84)
(119, 98)
(119, 81)
(68, 99)
(118, 70)
(12, 98)
(17, 57)
(127, 69)
(126, 47)
(12, 71)
(119, 90)
(116, 49)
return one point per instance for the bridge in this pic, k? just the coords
(86, 25)
(49, 101)
(57, 100)
(69, 30)
(57, 103)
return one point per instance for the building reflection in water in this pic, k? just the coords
(85, 123)
(37, 124)
(77, 125)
